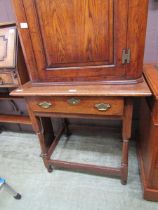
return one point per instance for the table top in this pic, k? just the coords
(134, 90)
(151, 75)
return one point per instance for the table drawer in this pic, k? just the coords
(78, 105)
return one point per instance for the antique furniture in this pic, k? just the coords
(147, 147)
(78, 41)
(85, 60)
(13, 71)
(92, 101)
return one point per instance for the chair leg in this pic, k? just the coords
(11, 191)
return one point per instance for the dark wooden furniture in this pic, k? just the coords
(92, 41)
(13, 72)
(147, 147)
(99, 101)
(76, 52)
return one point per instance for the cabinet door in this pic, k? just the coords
(7, 47)
(73, 40)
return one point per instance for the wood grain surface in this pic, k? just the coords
(86, 105)
(82, 41)
(134, 90)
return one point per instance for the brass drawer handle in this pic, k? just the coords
(73, 101)
(45, 105)
(102, 107)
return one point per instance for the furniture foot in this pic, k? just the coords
(123, 182)
(50, 168)
(124, 174)
(18, 196)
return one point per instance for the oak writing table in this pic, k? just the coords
(89, 101)
(85, 60)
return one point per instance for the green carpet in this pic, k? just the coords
(21, 165)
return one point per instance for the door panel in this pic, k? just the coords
(77, 40)
(76, 32)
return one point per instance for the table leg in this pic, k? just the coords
(44, 130)
(67, 130)
(126, 135)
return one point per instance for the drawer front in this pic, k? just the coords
(7, 78)
(78, 105)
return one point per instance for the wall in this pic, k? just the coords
(6, 11)
(151, 51)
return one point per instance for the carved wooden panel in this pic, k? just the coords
(7, 47)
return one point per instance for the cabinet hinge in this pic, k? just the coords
(126, 56)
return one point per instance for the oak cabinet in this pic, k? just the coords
(83, 41)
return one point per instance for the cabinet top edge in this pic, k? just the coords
(151, 76)
(132, 90)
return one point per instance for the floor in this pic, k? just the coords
(21, 165)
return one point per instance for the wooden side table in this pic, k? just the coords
(147, 147)
(92, 101)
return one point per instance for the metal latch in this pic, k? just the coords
(126, 56)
